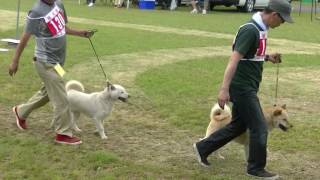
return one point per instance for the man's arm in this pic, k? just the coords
(13, 68)
(224, 96)
(81, 33)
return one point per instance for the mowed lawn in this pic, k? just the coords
(172, 64)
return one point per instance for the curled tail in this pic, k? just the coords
(218, 113)
(74, 85)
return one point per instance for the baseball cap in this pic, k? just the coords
(283, 7)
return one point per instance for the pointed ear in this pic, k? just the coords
(110, 86)
(284, 106)
(109, 83)
(277, 112)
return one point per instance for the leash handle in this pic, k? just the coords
(93, 30)
(94, 50)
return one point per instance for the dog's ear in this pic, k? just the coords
(109, 83)
(110, 86)
(277, 112)
(284, 106)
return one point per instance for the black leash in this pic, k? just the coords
(95, 52)
(277, 85)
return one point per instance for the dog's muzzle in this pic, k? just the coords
(282, 127)
(123, 99)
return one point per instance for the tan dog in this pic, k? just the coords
(276, 117)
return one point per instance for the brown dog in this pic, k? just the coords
(276, 117)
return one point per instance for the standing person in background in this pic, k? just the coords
(241, 83)
(47, 22)
(118, 3)
(91, 2)
(195, 9)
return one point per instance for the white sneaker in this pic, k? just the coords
(204, 11)
(194, 11)
(90, 4)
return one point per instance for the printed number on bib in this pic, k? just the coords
(55, 22)
(262, 44)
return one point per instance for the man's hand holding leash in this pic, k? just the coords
(89, 33)
(81, 33)
(274, 58)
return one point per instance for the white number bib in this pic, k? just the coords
(55, 22)
(261, 51)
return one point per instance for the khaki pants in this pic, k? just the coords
(54, 90)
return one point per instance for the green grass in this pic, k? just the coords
(185, 92)
(178, 89)
(155, 142)
(218, 21)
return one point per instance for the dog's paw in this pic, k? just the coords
(220, 156)
(77, 129)
(104, 137)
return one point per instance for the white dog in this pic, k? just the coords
(97, 105)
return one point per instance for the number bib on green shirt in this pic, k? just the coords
(251, 42)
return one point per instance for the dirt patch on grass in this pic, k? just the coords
(152, 28)
(287, 46)
(124, 67)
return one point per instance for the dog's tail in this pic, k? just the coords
(218, 113)
(74, 85)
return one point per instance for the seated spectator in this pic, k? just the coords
(197, 8)
(165, 4)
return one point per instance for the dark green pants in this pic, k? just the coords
(246, 114)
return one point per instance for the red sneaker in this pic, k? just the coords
(21, 123)
(64, 139)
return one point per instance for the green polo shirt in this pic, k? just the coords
(248, 74)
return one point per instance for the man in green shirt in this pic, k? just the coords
(241, 84)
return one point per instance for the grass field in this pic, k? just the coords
(172, 64)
